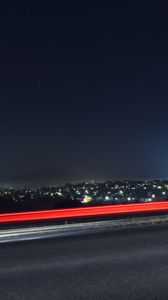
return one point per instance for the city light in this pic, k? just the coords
(81, 194)
(87, 199)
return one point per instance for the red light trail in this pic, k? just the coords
(83, 212)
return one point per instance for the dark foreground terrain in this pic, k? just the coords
(126, 264)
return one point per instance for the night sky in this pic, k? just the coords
(84, 88)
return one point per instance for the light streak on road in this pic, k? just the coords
(84, 212)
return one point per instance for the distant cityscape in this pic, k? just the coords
(82, 194)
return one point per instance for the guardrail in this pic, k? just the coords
(83, 212)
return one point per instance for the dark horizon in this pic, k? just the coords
(84, 89)
(59, 177)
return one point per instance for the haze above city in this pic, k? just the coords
(83, 92)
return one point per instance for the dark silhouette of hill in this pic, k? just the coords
(54, 176)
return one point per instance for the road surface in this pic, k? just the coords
(122, 264)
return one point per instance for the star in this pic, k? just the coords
(38, 83)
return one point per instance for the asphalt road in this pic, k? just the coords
(126, 264)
